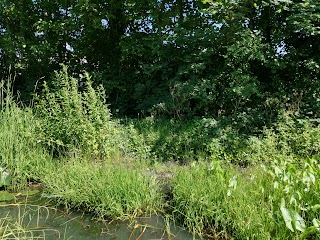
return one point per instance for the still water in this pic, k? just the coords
(46, 222)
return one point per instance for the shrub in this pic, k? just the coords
(290, 136)
(75, 119)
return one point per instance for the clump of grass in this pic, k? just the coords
(19, 151)
(112, 191)
(219, 203)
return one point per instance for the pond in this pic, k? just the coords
(45, 222)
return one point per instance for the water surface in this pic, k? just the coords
(52, 223)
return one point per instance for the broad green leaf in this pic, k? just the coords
(298, 221)
(293, 220)
(5, 179)
(287, 218)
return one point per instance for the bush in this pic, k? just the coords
(75, 118)
(290, 136)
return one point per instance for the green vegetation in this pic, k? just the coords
(206, 112)
(252, 203)
(34, 149)
(109, 191)
(204, 58)
(205, 174)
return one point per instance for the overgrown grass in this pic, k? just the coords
(112, 186)
(226, 184)
(110, 191)
(219, 201)
(224, 202)
(19, 149)
(188, 140)
(262, 186)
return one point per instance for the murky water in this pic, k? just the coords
(51, 223)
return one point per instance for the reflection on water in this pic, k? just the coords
(51, 223)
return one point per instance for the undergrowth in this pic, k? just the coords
(233, 184)
(75, 121)
(19, 150)
(276, 202)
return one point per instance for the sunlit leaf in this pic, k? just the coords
(287, 218)
(316, 223)
(293, 220)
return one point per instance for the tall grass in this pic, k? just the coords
(222, 203)
(19, 149)
(233, 186)
(107, 190)
(276, 201)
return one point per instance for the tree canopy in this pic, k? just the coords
(176, 57)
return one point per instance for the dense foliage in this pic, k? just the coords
(202, 173)
(235, 151)
(244, 58)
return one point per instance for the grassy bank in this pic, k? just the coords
(245, 204)
(205, 174)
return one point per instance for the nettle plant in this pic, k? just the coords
(297, 194)
(75, 117)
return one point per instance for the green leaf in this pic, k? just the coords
(316, 223)
(6, 196)
(308, 232)
(287, 218)
(5, 179)
(293, 220)
(298, 221)
(233, 182)
(315, 207)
